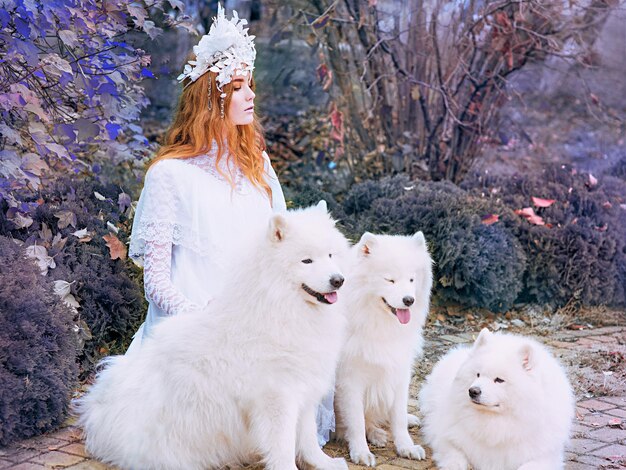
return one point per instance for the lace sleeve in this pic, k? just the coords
(157, 280)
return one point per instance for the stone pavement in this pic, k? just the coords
(598, 441)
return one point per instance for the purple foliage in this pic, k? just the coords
(70, 85)
(37, 349)
(109, 291)
(580, 252)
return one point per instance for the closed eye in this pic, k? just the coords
(498, 380)
(390, 280)
(307, 261)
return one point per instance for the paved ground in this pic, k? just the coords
(595, 361)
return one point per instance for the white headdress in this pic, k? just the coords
(226, 50)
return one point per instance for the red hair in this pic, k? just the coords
(195, 127)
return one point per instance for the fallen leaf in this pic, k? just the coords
(80, 233)
(116, 247)
(111, 226)
(539, 202)
(66, 218)
(529, 214)
(489, 219)
(123, 202)
(62, 288)
(40, 254)
(592, 180)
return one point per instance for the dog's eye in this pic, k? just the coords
(330, 255)
(478, 375)
(498, 380)
(411, 279)
(390, 280)
(307, 261)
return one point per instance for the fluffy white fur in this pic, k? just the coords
(372, 384)
(239, 382)
(521, 413)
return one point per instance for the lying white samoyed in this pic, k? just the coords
(502, 404)
(241, 381)
(387, 297)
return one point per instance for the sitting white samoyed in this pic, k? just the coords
(502, 404)
(387, 298)
(241, 381)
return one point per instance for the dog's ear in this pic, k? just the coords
(419, 239)
(278, 224)
(322, 205)
(367, 241)
(483, 337)
(527, 354)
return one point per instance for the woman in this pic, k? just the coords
(211, 189)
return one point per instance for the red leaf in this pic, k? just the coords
(116, 247)
(489, 219)
(536, 220)
(322, 71)
(336, 119)
(525, 212)
(529, 214)
(537, 201)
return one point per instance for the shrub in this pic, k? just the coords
(37, 349)
(477, 264)
(580, 252)
(109, 291)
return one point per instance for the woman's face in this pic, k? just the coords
(241, 108)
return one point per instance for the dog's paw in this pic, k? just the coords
(413, 420)
(364, 457)
(335, 464)
(377, 437)
(414, 452)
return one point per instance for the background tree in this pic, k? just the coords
(419, 82)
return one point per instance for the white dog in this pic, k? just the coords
(241, 381)
(387, 296)
(503, 404)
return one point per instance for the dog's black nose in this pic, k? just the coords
(336, 280)
(408, 300)
(474, 392)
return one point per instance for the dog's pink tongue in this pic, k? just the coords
(331, 297)
(404, 315)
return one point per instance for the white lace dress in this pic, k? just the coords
(189, 227)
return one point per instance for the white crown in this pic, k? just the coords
(226, 50)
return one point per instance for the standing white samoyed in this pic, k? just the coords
(387, 298)
(241, 381)
(502, 404)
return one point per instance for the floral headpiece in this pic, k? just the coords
(226, 50)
